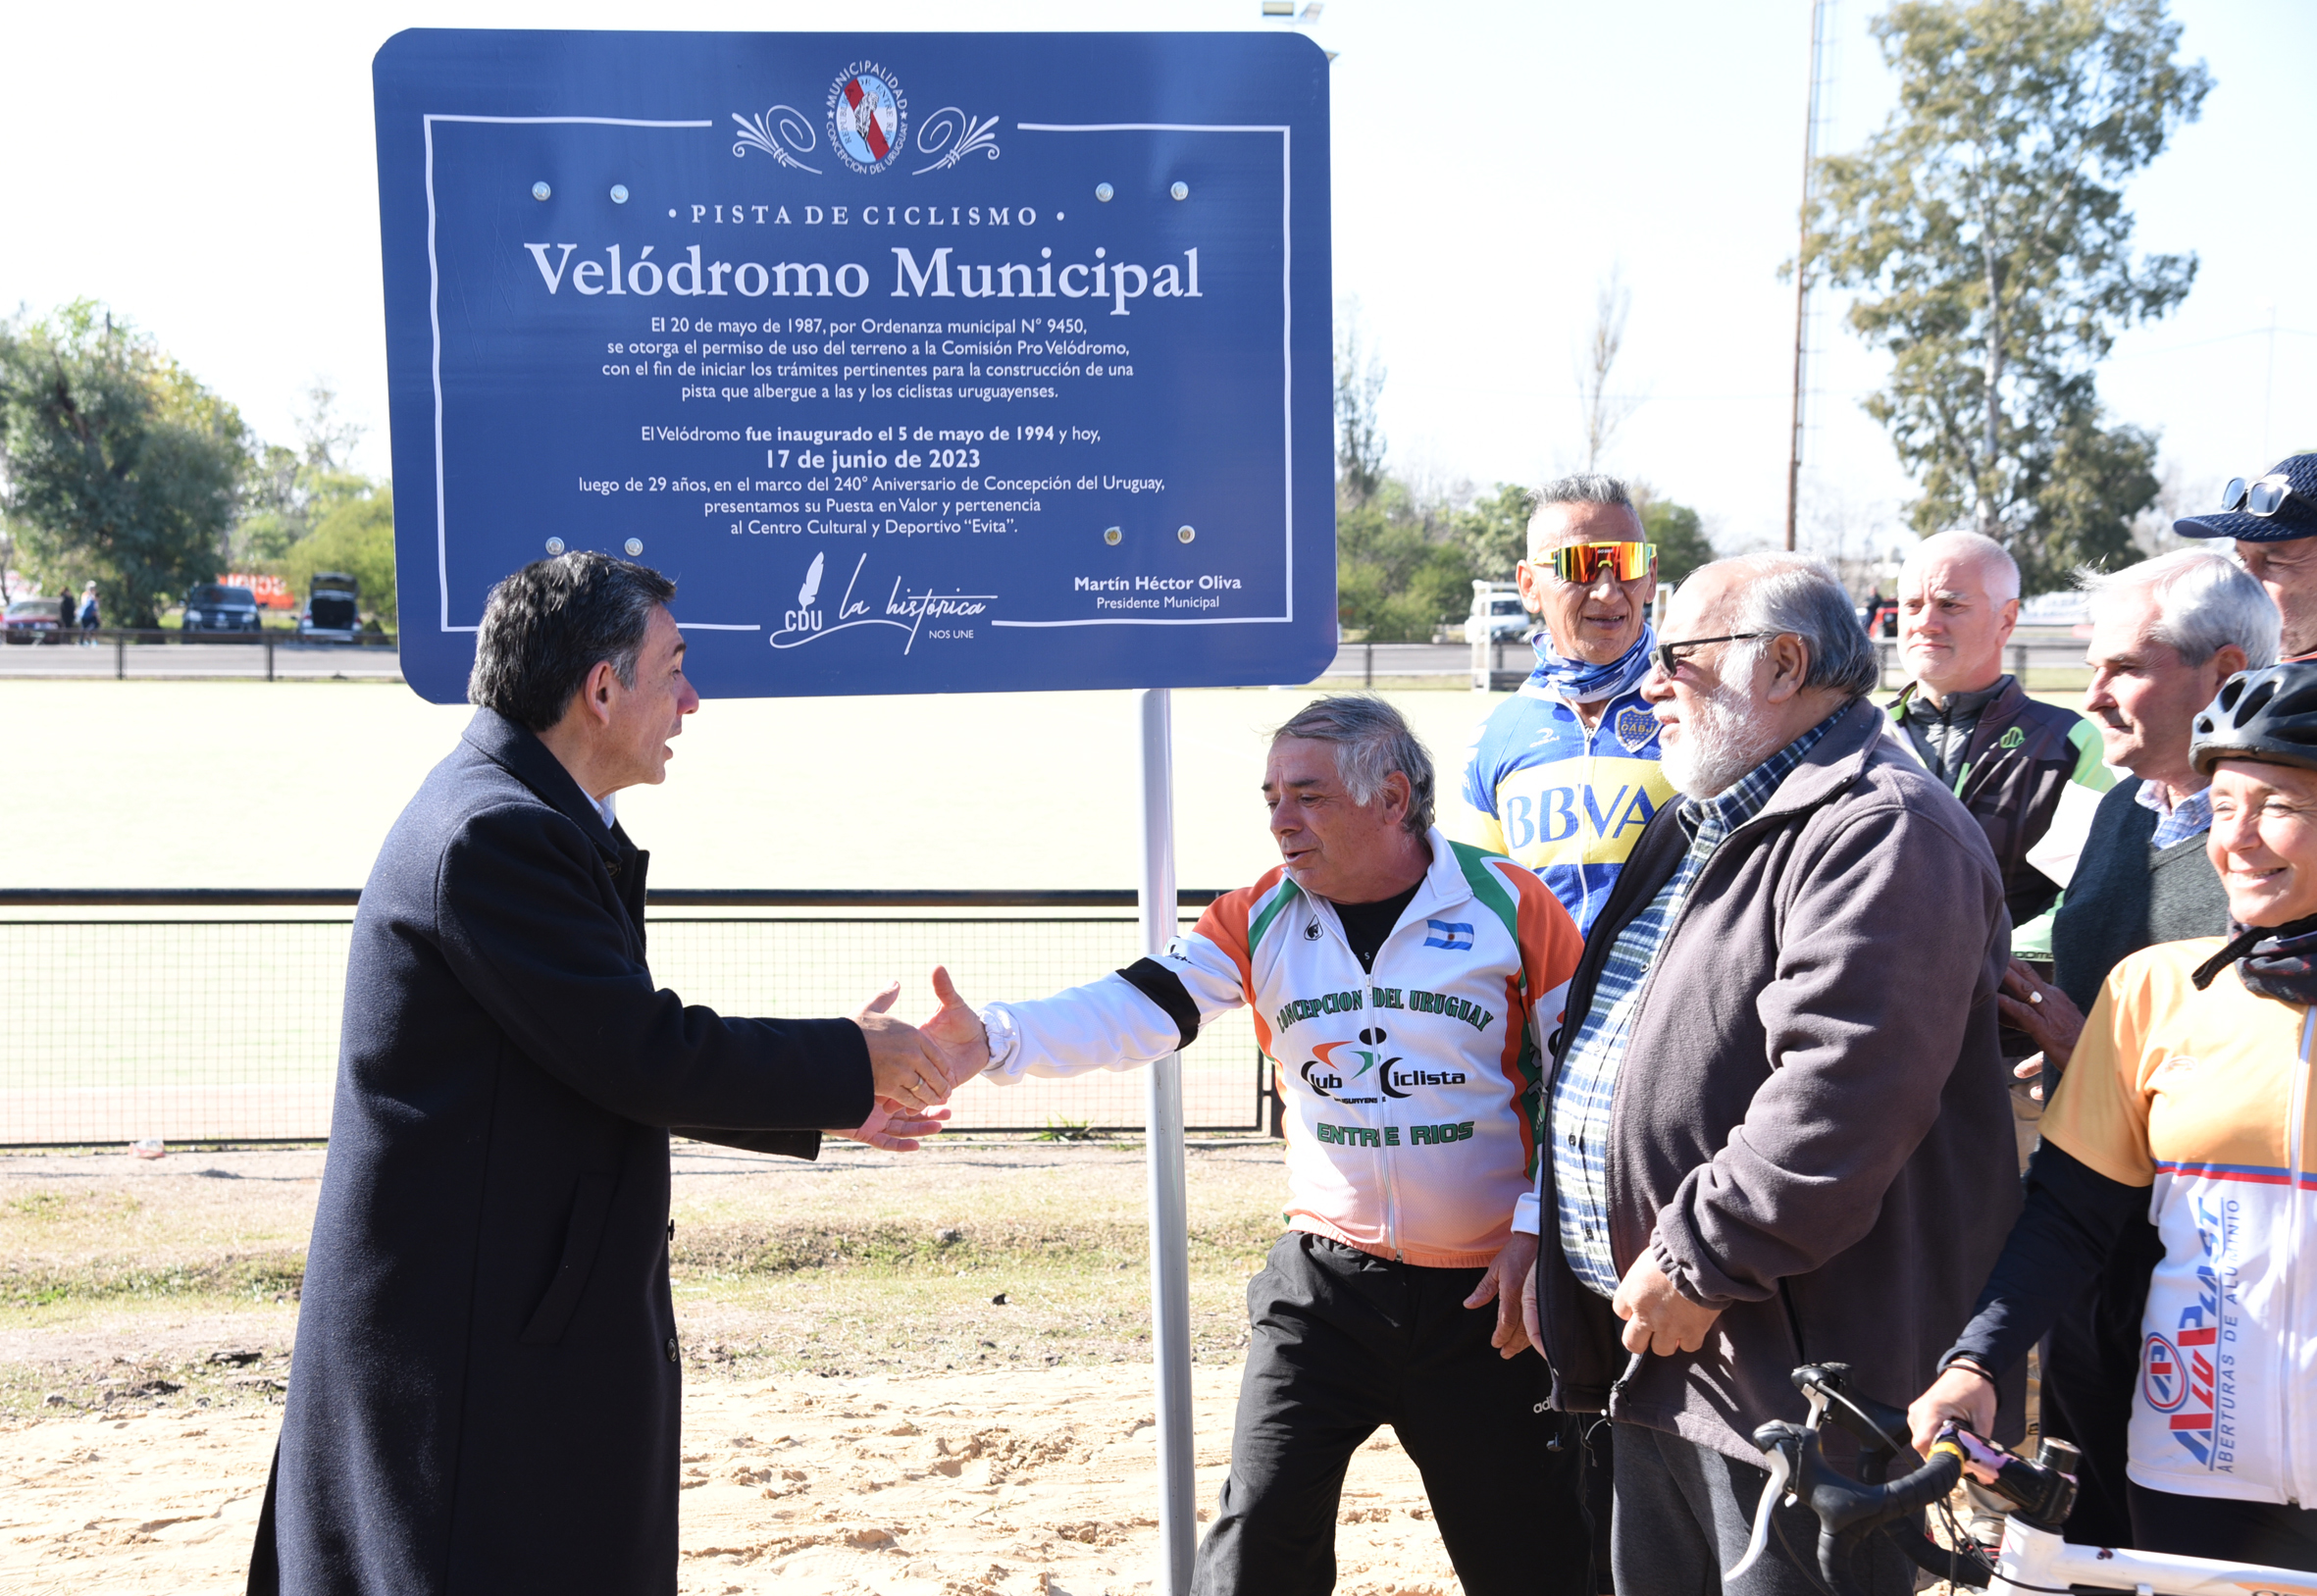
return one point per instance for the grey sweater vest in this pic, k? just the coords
(2126, 896)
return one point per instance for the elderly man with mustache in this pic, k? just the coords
(1777, 1108)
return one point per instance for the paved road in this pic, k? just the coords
(203, 661)
(1412, 659)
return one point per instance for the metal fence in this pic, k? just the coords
(124, 654)
(191, 1016)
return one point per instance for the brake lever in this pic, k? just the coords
(1780, 1440)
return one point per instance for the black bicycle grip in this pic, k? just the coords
(1848, 1514)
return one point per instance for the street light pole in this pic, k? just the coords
(1810, 151)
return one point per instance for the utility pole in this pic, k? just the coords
(1810, 155)
(2269, 386)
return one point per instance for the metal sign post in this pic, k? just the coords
(1171, 1243)
(921, 362)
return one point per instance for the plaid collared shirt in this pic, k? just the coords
(1586, 1085)
(2183, 820)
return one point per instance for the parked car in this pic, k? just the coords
(1497, 606)
(333, 608)
(30, 620)
(215, 607)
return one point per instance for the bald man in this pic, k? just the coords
(2030, 773)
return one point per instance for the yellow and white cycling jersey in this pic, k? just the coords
(2204, 1098)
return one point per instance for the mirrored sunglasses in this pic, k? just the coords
(1581, 563)
(2263, 495)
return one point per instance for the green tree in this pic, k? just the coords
(120, 466)
(1494, 531)
(1984, 231)
(1680, 536)
(287, 492)
(356, 535)
(2101, 479)
(1392, 580)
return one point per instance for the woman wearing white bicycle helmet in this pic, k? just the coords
(2190, 1098)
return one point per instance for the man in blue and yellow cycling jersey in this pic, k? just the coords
(1563, 775)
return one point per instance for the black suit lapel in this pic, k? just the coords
(627, 874)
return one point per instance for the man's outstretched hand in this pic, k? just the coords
(955, 1033)
(906, 1068)
(896, 1129)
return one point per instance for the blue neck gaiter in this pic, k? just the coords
(1580, 681)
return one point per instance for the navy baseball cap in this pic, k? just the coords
(2270, 509)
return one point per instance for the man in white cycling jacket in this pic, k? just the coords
(1405, 986)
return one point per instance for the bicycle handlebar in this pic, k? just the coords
(1851, 1512)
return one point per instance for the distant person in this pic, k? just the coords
(488, 1386)
(1882, 615)
(89, 620)
(2165, 635)
(2274, 522)
(1563, 775)
(2030, 773)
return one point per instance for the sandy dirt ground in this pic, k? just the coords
(947, 1485)
(904, 1375)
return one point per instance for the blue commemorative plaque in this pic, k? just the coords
(923, 362)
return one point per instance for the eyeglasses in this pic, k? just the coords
(1581, 563)
(1669, 655)
(2264, 496)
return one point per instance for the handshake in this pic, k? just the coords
(916, 1067)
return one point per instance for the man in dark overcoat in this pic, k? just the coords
(486, 1392)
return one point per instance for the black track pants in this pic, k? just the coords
(1343, 1342)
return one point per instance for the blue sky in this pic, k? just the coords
(209, 172)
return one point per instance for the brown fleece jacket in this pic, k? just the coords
(1810, 1129)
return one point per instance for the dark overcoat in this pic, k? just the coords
(486, 1393)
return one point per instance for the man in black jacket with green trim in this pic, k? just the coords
(2030, 773)
(488, 1384)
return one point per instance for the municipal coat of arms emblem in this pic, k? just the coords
(868, 117)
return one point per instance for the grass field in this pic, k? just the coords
(862, 1262)
(256, 783)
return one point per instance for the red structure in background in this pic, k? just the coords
(272, 591)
